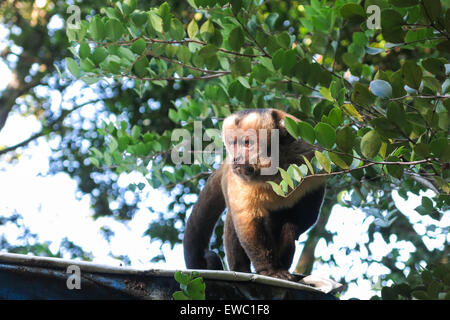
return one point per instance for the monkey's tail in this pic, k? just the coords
(200, 225)
(213, 261)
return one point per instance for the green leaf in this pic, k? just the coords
(412, 74)
(290, 59)
(156, 22)
(196, 289)
(305, 104)
(338, 161)
(284, 40)
(140, 67)
(335, 117)
(306, 132)
(286, 177)
(123, 142)
(73, 67)
(447, 20)
(97, 28)
(395, 113)
(207, 30)
(381, 88)
(114, 29)
(435, 66)
(276, 188)
(351, 111)
(96, 152)
(236, 39)
(126, 53)
(99, 55)
(87, 65)
(432, 83)
(192, 29)
(261, 73)
(184, 54)
(404, 3)
(242, 66)
(236, 6)
(433, 9)
(308, 164)
(135, 132)
(353, 12)
(427, 203)
(325, 135)
(112, 144)
(362, 96)
(139, 18)
(370, 144)
(139, 46)
(295, 173)
(129, 6)
(397, 84)
(113, 64)
(271, 19)
(323, 160)
(420, 294)
(95, 161)
(291, 127)
(278, 59)
(391, 26)
(208, 51)
(439, 147)
(84, 50)
(326, 93)
(394, 170)
(179, 295)
(176, 30)
(444, 46)
(422, 150)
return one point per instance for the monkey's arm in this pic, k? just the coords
(201, 222)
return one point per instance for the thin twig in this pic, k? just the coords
(150, 53)
(212, 76)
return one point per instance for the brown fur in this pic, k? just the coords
(261, 226)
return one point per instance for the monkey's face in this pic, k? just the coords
(243, 149)
(251, 140)
(258, 143)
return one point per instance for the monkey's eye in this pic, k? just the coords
(248, 142)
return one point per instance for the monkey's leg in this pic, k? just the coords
(236, 257)
(260, 245)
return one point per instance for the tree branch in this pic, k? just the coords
(43, 132)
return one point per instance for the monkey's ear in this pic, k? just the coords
(278, 119)
(285, 136)
(282, 127)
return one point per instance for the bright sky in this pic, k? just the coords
(50, 208)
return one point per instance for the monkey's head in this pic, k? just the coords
(257, 143)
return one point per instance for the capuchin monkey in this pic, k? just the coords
(261, 227)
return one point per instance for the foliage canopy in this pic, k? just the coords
(375, 99)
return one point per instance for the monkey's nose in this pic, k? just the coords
(238, 160)
(248, 171)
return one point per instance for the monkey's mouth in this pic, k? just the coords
(246, 171)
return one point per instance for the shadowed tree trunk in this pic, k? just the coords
(306, 261)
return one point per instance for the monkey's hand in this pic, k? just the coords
(281, 274)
